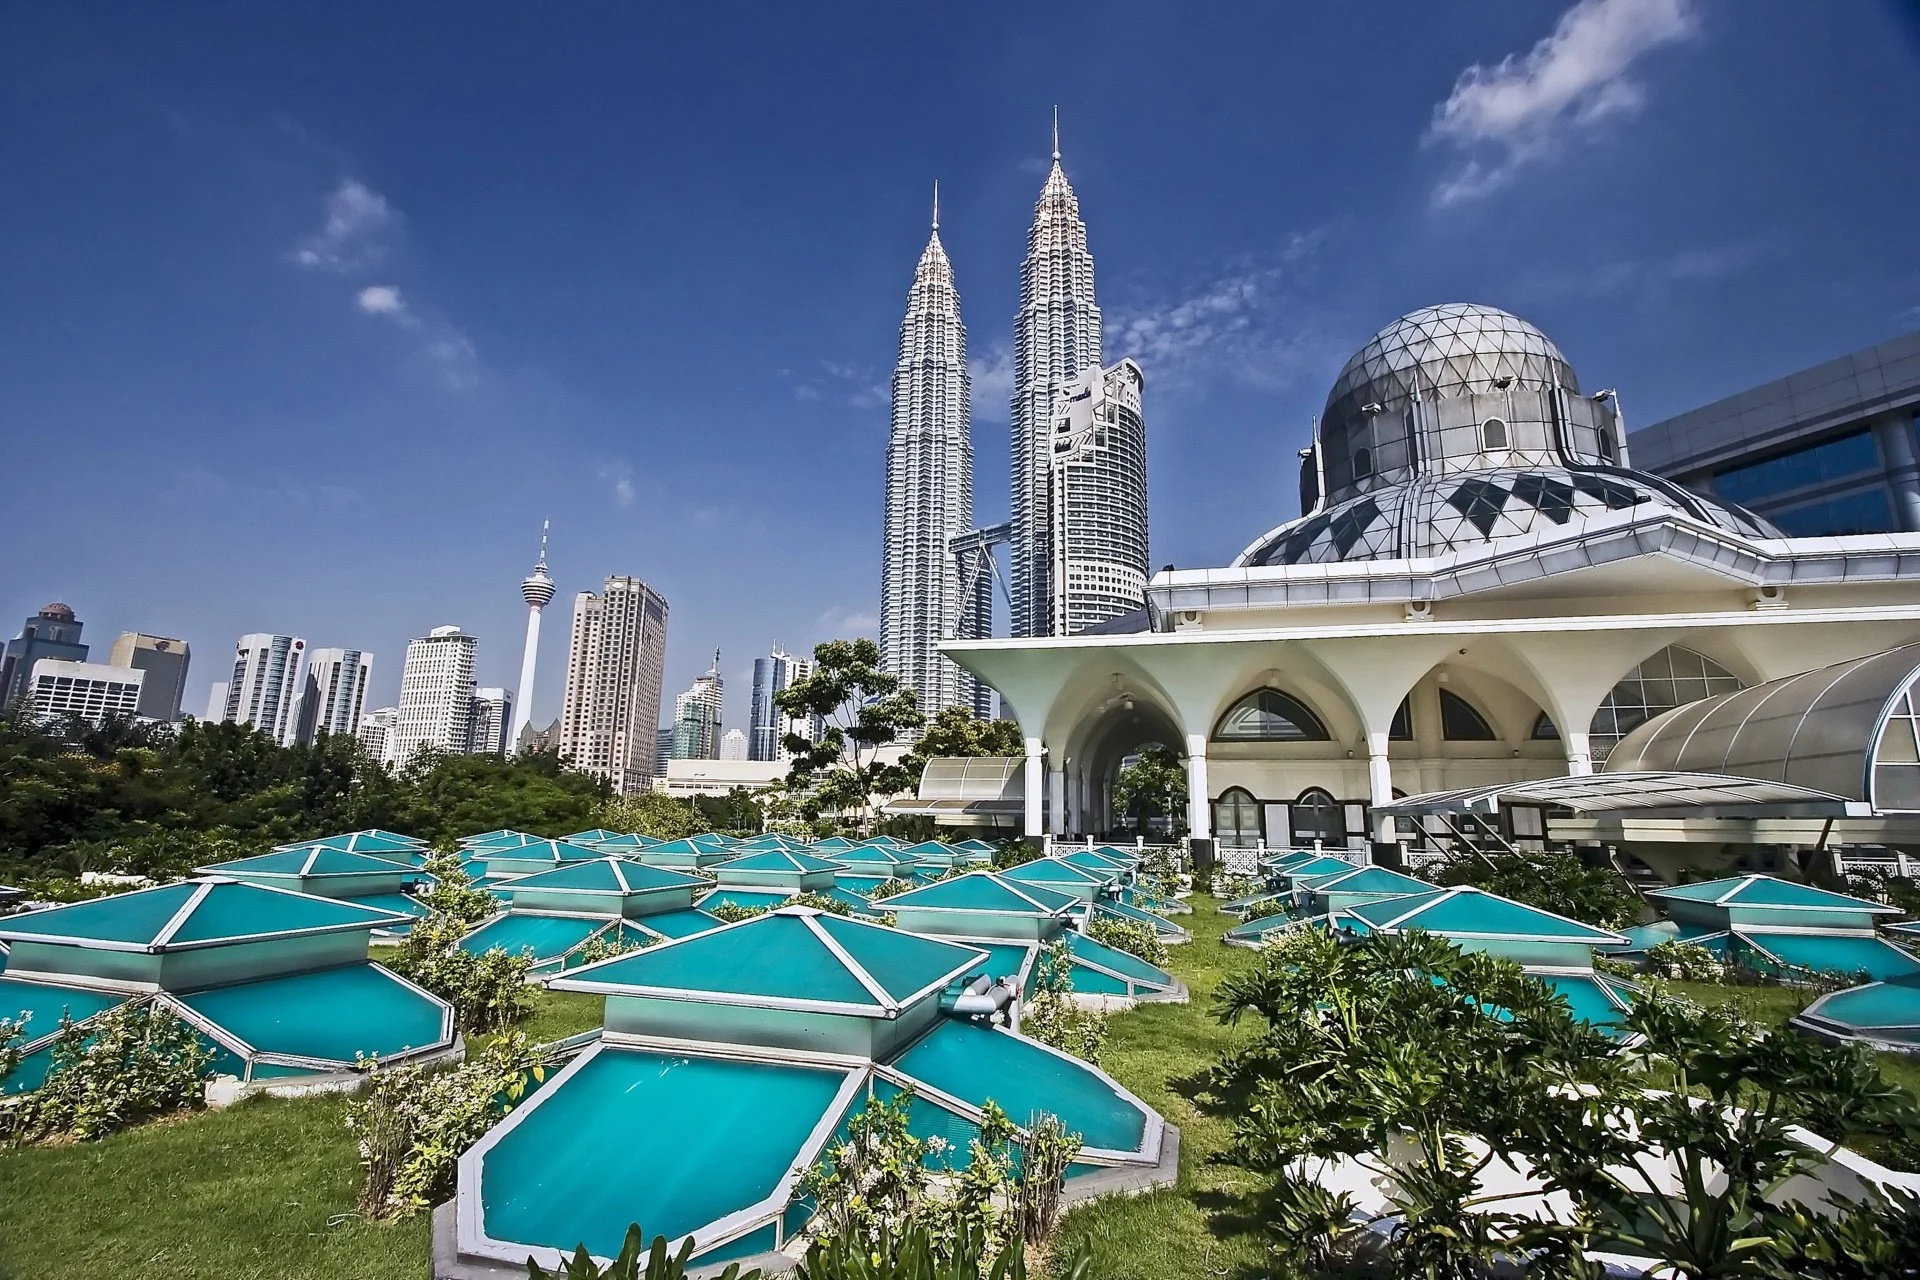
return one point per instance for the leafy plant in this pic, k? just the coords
(486, 991)
(1685, 962)
(608, 944)
(1135, 937)
(651, 813)
(11, 1034)
(1552, 881)
(914, 1253)
(660, 1265)
(453, 893)
(957, 731)
(730, 912)
(1153, 786)
(892, 887)
(820, 902)
(1050, 1015)
(413, 1123)
(128, 1065)
(863, 709)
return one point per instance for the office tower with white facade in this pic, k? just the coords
(216, 702)
(696, 716)
(492, 713)
(265, 685)
(1096, 514)
(51, 633)
(376, 732)
(733, 745)
(91, 691)
(1056, 336)
(616, 662)
(436, 695)
(767, 725)
(537, 590)
(165, 662)
(930, 493)
(333, 696)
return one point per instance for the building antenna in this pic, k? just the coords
(936, 204)
(544, 526)
(1056, 131)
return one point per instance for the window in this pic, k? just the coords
(1545, 730)
(1607, 452)
(1401, 730)
(1671, 678)
(1863, 512)
(1828, 460)
(1316, 815)
(1459, 722)
(1268, 715)
(1362, 463)
(1493, 434)
(1236, 819)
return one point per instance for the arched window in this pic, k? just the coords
(1401, 730)
(1671, 678)
(1545, 730)
(1268, 715)
(1493, 434)
(1459, 722)
(1316, 815)
(1236, 819)
(1362, 463)
(1607, 452)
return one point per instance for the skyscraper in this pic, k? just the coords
(436, 695)
(537, 590)
(929, 492)
(51, 633)
(334, 694)
(616, 662)
(91, 691)
(766, 723)
(165, 662)
(696, 716)
(1096, 513)
(265, 684)
(733, 745)
(1055, 336)
(492, 712)
(216, 702)
(376, 733)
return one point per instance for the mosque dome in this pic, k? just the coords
(1457, 426)
(63, 612)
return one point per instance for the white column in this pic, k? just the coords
(1379, 782)
(1579, 752)
(523, 696)
(1199, 798)
(1036, 783)
(1057, 800)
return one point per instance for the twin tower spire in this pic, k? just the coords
(927, 593)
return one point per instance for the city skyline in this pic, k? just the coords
(262, 236)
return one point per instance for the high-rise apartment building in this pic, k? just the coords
(216, 702)
(51, 633)
(376, 733)
(696, 716)
(436, 695)
(492, 719)
(333, 696)
(1057, 336)
(767, 725)
(265, 685)
(616, 662)
(733, 745)
(930, 493)
(1096, 513)
(90, 690)
(165, 662)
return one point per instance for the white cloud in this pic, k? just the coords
(620, 476)
(991, 376)
(1520, 110)
(383, 300)
(846, 622)
(354, 232)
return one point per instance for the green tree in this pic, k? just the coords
(957, 731)
(448, 796)
(651, 813)
(864, 708)
(1551, 880)
(1153, 786)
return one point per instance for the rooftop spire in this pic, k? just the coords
(936, 204)
(544, 524)
(1056, 131)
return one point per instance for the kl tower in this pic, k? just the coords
(537, 590)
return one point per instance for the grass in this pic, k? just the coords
(1162, 1052)
(1772, 1006)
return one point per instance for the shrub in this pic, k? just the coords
(453, 893)
(915, 1254)
(729, 912)
(1556, 882)
(1685, 962)
(1051, 1017)
(128, 1065)
(1274, 906)
(1135, 937)
(607, 945)
(660, 1265)
(819, 902)
(413, 1123)
(10, 1038)
(894, 886)
(486, 991)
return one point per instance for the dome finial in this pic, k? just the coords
(1056, 131)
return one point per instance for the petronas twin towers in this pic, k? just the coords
(1077, 536)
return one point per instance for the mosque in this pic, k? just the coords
(1481, 592)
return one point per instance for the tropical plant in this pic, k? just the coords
(452, 892)
(487, 991)
(127, 1065)
(892, 887)
(730, 912)
(1875, 1239)
(1553, 881)
(1153, 786)
(820, 902)
(863, 709)
(11, 1034)
(1046, 1150)
(659, 1264)
(1050, 1015)
(413, 1123)
(1135, 937)
(609, 943)
(1685, 962)
(915, 1253)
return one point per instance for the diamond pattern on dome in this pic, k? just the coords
(1616, 495)
(1480, 501)
(1303, 537)
(1347, 527)
(1448, 349)
(1552, 497)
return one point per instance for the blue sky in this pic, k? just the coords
(310, 314)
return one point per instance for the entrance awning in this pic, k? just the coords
(963, 791)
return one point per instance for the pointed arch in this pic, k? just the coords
(1268, 715)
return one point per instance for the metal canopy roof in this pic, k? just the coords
(1696, 795)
